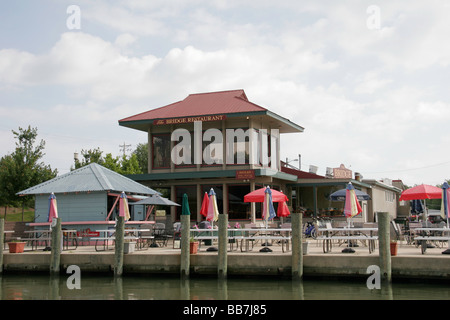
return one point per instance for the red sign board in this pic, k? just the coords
(245, 174)
(342, 172)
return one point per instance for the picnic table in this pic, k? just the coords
(346, 235)
(247, 236)
(44, 236)
(109, 237)
(434, 235)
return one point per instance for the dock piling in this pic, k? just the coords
(185, 239)
(119, 239)
(56, 246)
(297, 247)
(223, 241)
(384, 243)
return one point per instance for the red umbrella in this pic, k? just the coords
(258, 196)
(424, 191)
(283, 210)
(52, 208)
(205, 204)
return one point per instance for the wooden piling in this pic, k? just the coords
(119, 240)
(2, 237)
(384, 244)
(297, 247)
(185, 239)
(56, 246)
(223, 241)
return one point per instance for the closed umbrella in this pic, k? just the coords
(268, 209)
(351, 209)
(124, 211)
(268, 213)
(283, 210)
(445, 208)
(205, 204)
(185, 205)
(52, 208)
(213, 211)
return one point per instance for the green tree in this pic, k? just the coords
(141, 153)
(123, 165)
(23, 168)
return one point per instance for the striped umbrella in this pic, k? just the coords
(352, 207)
(213, 211)
(52, 208)
(124, 211)
(268, 209)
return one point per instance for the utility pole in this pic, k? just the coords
(124, 148)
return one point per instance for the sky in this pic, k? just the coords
(368, 80)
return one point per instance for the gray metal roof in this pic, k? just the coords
(92, 177)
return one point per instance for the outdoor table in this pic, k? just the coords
(346, 233)
(249, 235)
(252, 235)
(109, 236)
(37, 236)
(136, 232)
(429, 234)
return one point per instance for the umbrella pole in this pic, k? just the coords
(348, 249)
(212, 233)
(266, 244)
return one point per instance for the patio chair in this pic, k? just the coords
(159, 234)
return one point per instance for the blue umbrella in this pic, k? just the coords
(340, 195)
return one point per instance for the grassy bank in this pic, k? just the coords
(15, 214)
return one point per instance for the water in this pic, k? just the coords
(155, 287)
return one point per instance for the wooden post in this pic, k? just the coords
(297, 246)
(119, 239)
(2, 237)
(185, 239)
(223, 241)
(384, 243)
(56, 246)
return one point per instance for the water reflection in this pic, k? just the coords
(43, 287)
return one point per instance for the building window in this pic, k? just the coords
(161, 151)
(237, 208)
(389, 195)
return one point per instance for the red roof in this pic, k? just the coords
(223, 102)
(301, 174)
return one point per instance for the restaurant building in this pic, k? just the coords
(223, 141)
(218, 140)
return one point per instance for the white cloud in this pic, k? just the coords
(366, 97)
